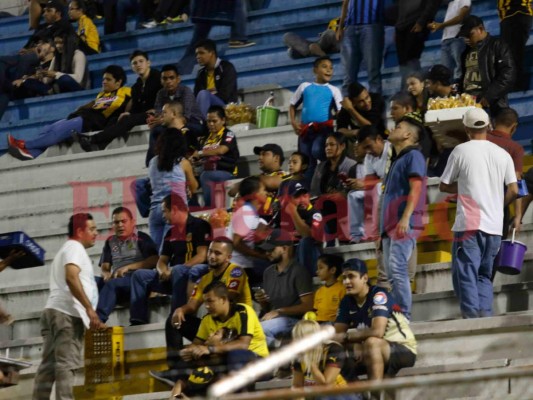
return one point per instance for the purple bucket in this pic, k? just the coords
(510, 258)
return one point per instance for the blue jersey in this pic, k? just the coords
(320, 101)
(410, 163)
(378, 303)
(364, 12)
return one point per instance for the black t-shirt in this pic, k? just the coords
(143, 95)
(374, 115)
(180, 247)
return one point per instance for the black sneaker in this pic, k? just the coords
(86, 143)
(239, 44)
(169, 377)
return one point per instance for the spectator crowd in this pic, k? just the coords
(357, 176)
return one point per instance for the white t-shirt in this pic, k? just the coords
(61, 299)
(454, 6)
(244, 222)
(481, 170)
(376, 165)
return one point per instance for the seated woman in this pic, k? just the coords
(320, 366)
(169, 172)
(219, 154)
(93, 116)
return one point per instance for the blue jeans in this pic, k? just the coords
(53, 134)
(450, 56)
(202, 29)
(157, 224)
(208, 179)
(363, 42)
(67, 84)
(144, 281)
(307, 254)
(396, 254)
(313, 146)
(356, 213)
(473, 258)
(206, 99)
(280, 326)
(141, 190)
(117, 289)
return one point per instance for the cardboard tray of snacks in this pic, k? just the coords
(447, 125)
(34, 256)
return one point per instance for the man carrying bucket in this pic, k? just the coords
(477, 171)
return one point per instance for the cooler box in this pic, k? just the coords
(216, 12)
(20, 241)
(447, 126)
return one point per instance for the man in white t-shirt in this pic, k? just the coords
(243, 230)
(477, 171)
(452, 46)
(69, 310)
(377, 151)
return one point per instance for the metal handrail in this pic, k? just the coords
(252, 372)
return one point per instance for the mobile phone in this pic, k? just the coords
(258, 290)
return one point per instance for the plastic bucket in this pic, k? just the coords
(267, 117)
(510, 258)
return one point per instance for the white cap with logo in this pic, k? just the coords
(476, 118)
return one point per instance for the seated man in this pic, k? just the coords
(93, 116)
(216, 82)
(183, 322)
(360, 108)
(327, 43)
(247, 345)
(382, 338)
(143, 95)
(378, 151)
(298, 217)
(124, 252)
(184, 246)
(288, 289)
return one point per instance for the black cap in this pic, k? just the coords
(275, 239)
(469, 23)
(274, 148)
(200, 379)
(54, 4)
(295, 188)
(355, 264)
(440, 73)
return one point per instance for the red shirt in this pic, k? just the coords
(515, 150)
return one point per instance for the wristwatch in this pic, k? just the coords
(211, 349)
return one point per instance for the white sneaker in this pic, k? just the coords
(149, 24)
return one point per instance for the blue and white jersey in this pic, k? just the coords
(320, 101)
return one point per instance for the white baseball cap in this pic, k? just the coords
(476, 118)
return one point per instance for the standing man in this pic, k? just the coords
(402, 208)
(70, 306)
(477, 171)
(412, 32)
(216, 82)
(515, 23)
(489, 70)
(362, 35)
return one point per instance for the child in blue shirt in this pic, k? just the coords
(320, 104)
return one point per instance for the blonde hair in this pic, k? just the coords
(311, 357)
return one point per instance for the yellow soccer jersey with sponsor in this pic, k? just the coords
(234, 277)
(244, 320)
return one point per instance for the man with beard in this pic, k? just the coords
(183, 321)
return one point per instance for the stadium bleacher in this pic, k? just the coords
(38, 197)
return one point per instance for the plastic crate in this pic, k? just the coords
(104, 355)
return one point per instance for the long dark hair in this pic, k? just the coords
(171, 147)
(70, 45)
